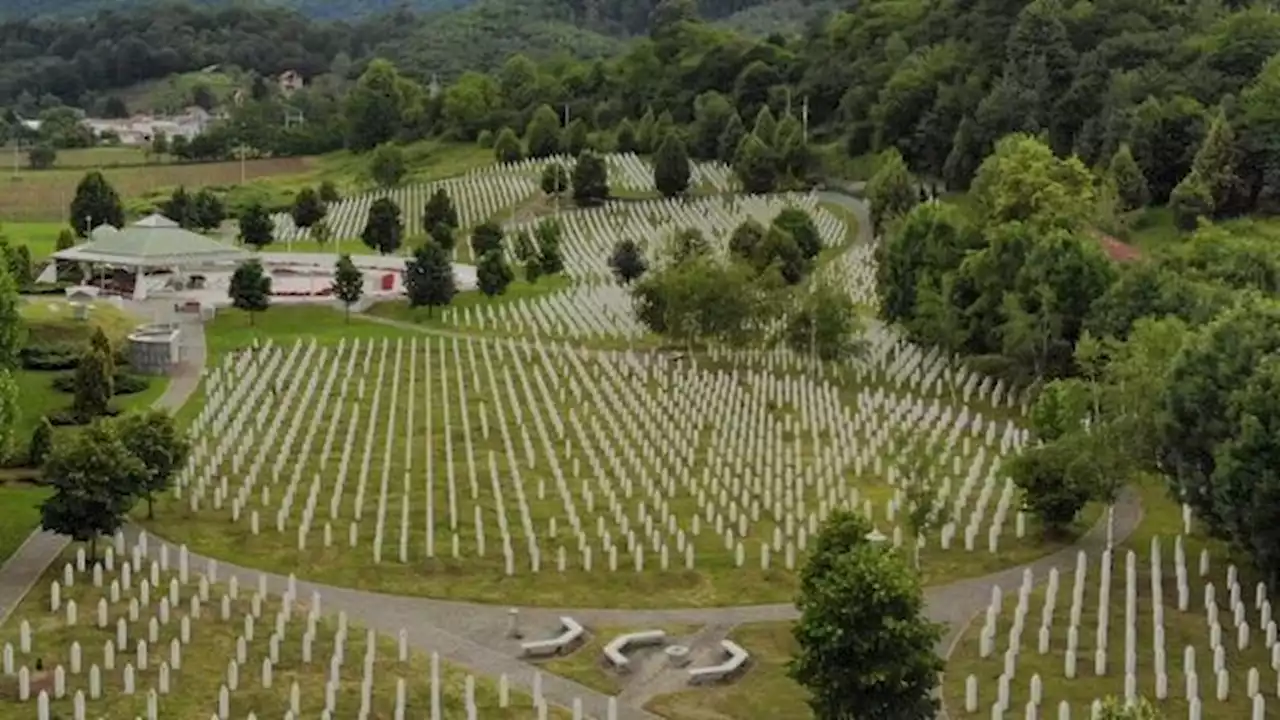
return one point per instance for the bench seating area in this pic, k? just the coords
(613, 652)
(572, 633)
(735, 660)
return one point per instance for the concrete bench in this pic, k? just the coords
(613, 652)
(573, 632)
(736, 659)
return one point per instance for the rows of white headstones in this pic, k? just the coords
(592, 309)
(854, 270)
(1229, 661)
(123, 634)
(628, 172)
(477, 199)
(394, 448)
(596, 307)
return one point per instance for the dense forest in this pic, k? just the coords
(75, 57)
(319, 9)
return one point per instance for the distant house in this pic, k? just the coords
(290, 81)
(142, 129)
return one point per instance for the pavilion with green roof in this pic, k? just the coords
(153, 242)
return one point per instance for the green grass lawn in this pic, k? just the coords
(233, 329)
(20, 508)
(41, 238)
(764, 691)
(434, 317)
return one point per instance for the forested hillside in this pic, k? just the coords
(318, 9)
(939, 82)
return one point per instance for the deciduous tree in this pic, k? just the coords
(429, 280)
(209, 210)
(548, 234)
(485, 238)
(348, 283)
(387, 165)
(555, 179)
(590, 180)
(156, 440)
(866, 649)
(627, 261)
(256, 227)
(440, 210)
(94, 479)
(493, 275)
(1131, 184)
(800, 225)
(891, 192)
(824, 324)
(94, 384)
(250, 288)
(307, 208)
(542, 134)
(754, 164)
(383, 230)
(507, 148)
(671, 167)
(41, 442)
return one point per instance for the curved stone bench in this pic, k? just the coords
(736, 659)
(613, 652)
(572, 633)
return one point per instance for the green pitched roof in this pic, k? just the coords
(152, 241)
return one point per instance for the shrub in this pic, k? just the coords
(123, 383)
(50, 357)
(69, 417)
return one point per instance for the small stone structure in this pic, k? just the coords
(153, 348)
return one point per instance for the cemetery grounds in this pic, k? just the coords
(538, 451)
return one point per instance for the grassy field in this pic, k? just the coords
(41, 238)
(587, 665)
(764, 691)
(20, 508)
(44, 195)
(205, 660)
(175, 92)
(429, 317)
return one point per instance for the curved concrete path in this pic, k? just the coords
(474, 635)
